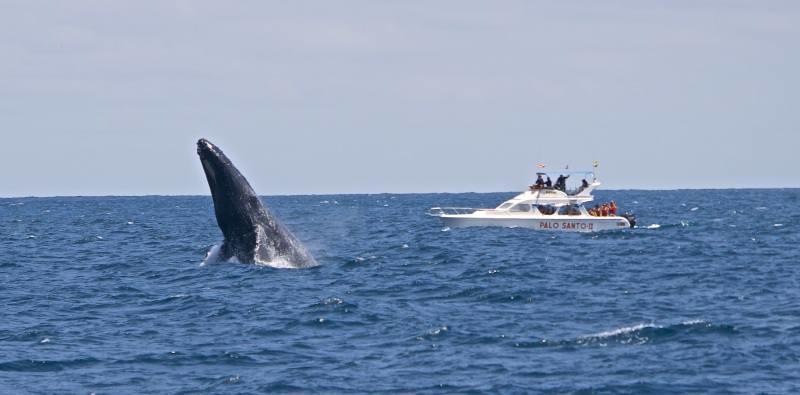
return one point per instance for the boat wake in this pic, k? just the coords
(681, 224)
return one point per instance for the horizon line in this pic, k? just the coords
(387, 193)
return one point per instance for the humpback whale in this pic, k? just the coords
(252, 234)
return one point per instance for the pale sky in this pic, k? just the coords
(109, 98)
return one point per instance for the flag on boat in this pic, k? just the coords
(595, 163)
(540, 165)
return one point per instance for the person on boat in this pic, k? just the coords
(605, 209)
(583, 186)
(539, 182)
(561, 183)
(613, 208)
(548, 183)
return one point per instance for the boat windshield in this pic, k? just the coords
(521, 208)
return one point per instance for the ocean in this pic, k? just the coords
(109, 295)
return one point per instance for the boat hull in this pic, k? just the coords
(552, 224)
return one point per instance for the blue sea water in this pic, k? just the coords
(107, 295)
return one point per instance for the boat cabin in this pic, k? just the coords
(562, 196)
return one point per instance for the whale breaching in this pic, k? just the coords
(252, 233)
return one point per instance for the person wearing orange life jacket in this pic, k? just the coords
(613, 208)
(605, 210)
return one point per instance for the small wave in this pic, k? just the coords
(643, 333)
(694, 209)
(620, 331)
(32, 365)
(777, 225)
(433, 333)
(333, 305)
(649, 332)
(446, 229)
(329, 301)
(277, 263)
(653, 226)
(694, 322)
(177, 358)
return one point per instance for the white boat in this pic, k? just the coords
(542, 208)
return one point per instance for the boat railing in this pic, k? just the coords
(439, 211)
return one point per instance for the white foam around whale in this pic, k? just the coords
(213, 256)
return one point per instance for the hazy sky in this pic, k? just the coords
(100, 97)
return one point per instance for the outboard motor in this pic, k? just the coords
(631, 218)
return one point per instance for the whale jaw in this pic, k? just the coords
(252, 234)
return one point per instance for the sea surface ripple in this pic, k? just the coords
(108, 295)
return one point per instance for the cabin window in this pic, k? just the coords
(569, 209)
(505, 205)
(522, 207)
(547, 210)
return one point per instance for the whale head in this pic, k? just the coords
(235, 201)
